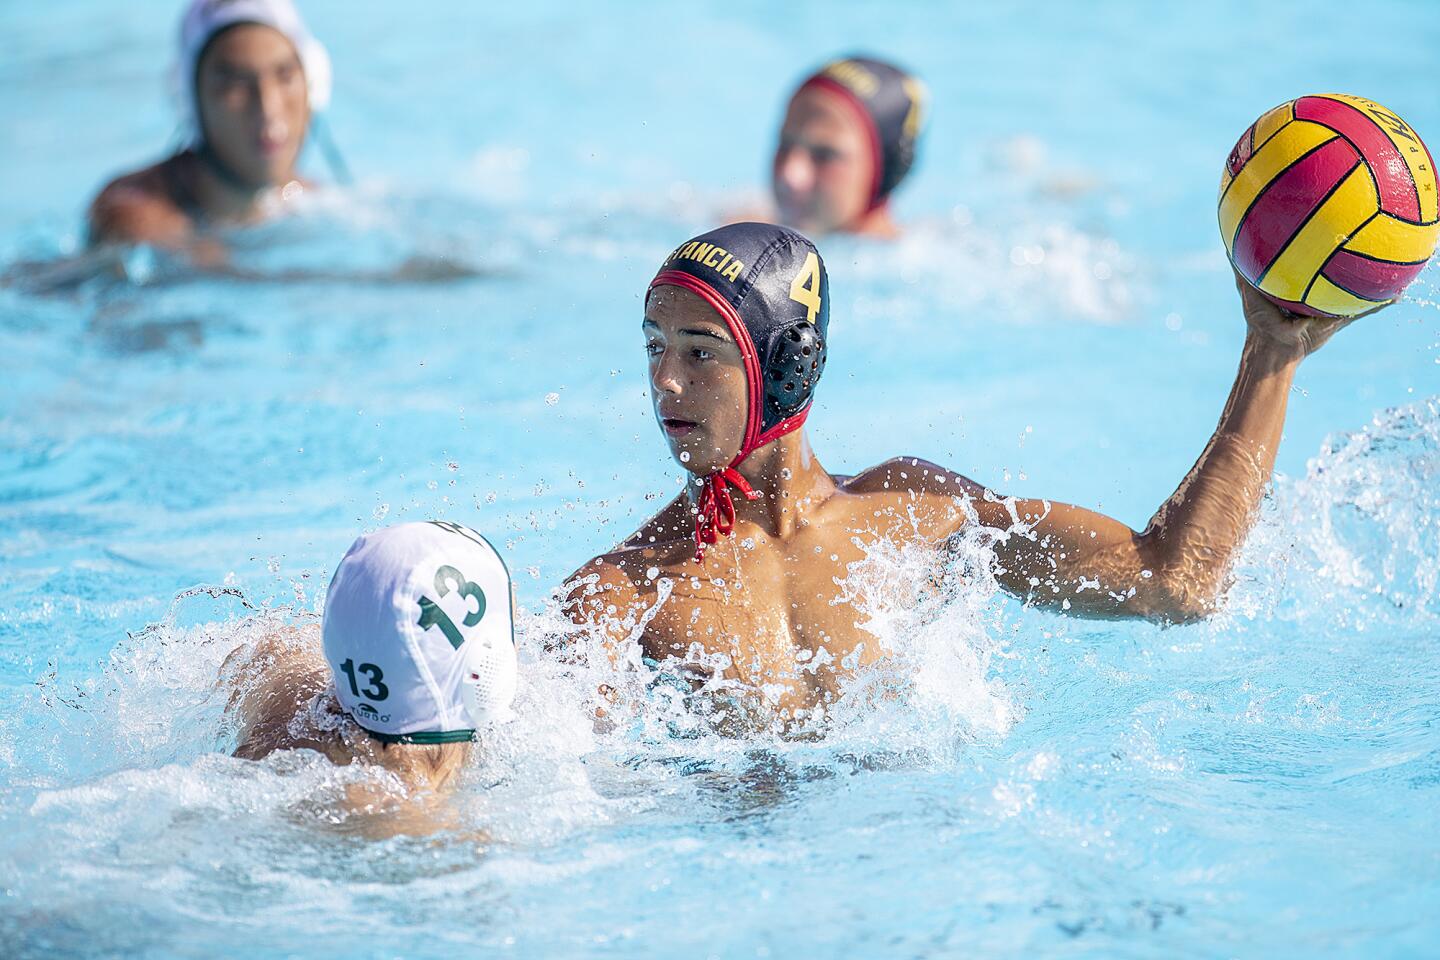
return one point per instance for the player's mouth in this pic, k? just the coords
(675, 427)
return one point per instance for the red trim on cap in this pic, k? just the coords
(788, 425)
(877, 149)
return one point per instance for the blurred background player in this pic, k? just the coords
(249, 79)
(848, 140)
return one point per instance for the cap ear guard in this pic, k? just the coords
(315, 60)
(793, 368)
(488, 686)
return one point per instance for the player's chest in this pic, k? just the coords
(763, 612)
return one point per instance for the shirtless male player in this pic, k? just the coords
(735, 329)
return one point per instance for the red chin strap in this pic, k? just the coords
(716, 510)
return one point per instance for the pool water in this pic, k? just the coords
(183, 459)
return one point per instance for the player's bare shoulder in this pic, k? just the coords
(141, 207)
(910, 475)
(618, 585)
(625, 576)
(274, 682)
(922, 491)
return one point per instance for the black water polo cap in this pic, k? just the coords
(769, 284)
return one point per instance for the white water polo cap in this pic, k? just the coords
(418, 633)
(205, 18)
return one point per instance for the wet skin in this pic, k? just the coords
(281, 699)
(254, 112)
(824, 168)
(765, 605)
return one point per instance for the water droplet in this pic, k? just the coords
(451, 465)
(552, 398)
(784, 473)
(652, 573)
(684, 456)
(381, 511)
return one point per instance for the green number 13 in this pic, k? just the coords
(432, 616)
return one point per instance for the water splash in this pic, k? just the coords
(941, 626)
(1355, 541)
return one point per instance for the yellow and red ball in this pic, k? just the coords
(1328, 205)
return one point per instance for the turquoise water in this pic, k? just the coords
(1058, 322)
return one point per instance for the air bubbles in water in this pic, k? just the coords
(684, 456)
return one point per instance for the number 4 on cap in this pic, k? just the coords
(805, 288)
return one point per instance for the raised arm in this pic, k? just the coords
(1091, 565)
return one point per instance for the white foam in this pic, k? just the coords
(1356, 538)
